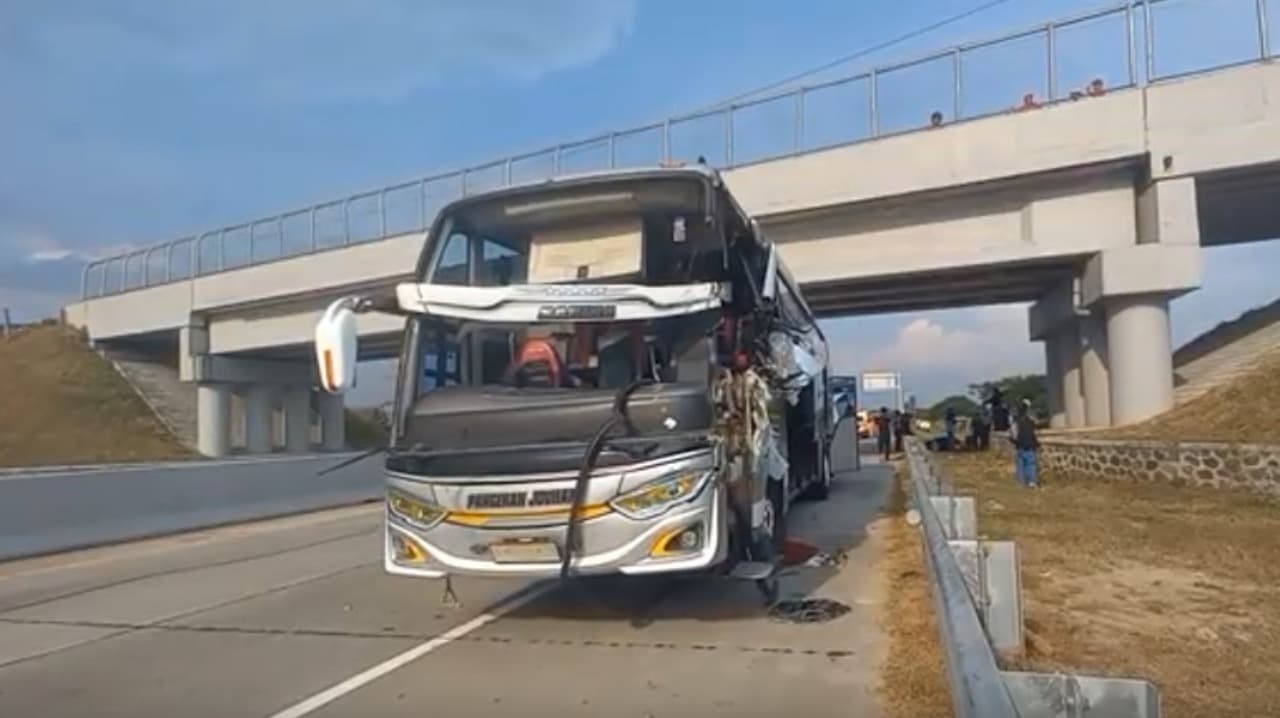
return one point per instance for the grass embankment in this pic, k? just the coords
(1246, 409)
(60, 403)
(365, 429)
(913, 678)
(1177, 585)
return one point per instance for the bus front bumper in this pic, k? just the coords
(687, 537)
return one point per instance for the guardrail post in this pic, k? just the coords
(874, 119)
(463, 181)
(1131, 56)
(382, 214)
(1050, 30)
(102, 278)
(168, 262)
(728, 136)
(799, 122)
(84, 280)
(957, 84)
(613, 150)
(280, 229)
(506, 171)
(346, 221)
(195, 255)
(1149, 36)
(422, 203)
(146, 266)
(1264, 34)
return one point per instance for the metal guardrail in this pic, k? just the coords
(981, 606)
(977, 689)
(410, 206)
(59, 509)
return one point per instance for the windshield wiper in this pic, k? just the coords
(390, 450)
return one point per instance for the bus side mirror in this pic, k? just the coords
(336, 346)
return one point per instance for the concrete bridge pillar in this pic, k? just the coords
(1053, 383)
(1140, 356)
(1095, 381)
(297, 418)
(1067, 344)
(257, 418)
(213, 419)
(332, 421)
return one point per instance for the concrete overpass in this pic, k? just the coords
(1094, 208)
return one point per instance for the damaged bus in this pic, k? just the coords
(606, 374)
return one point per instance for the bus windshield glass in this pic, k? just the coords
(582, 355)
(621, 231)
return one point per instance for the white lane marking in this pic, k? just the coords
(359, 680)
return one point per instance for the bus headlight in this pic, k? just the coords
(656, 497)
(414, 511)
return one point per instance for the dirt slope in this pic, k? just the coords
(1245, 409)
(60, 403)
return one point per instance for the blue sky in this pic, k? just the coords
(135, 121)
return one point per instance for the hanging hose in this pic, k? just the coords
(589, 458)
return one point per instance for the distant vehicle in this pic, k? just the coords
(866, 424)
(613, 373)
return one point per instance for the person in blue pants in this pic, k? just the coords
(1022, 432)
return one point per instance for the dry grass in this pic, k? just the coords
(1177, 585)
(1246, 409)
(364, 429)
(62, 404)
(913, 682)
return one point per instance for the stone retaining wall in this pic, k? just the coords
(1251, 467)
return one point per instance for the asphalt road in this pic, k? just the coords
(294, 617)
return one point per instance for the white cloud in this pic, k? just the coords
(996, 342)
(49, 255)
(338, 50)
(940, 352)
(25, 241)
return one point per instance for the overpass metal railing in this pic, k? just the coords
(959, 83)
(977, 597)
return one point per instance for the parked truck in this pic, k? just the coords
(607, 374)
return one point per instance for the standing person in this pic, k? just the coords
(949, 421)
(981, 430)
(897, 432)
(1025, 444)
(999, 412)
(884, 439)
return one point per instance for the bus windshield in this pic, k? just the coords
(645, 232)
(583, 355)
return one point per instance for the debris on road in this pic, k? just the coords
(808, 610)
